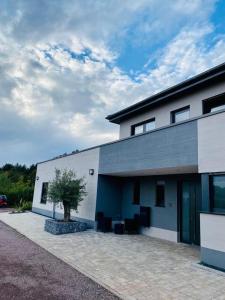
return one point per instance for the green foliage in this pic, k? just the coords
(23, 206)
(17, 182)
(67, 189)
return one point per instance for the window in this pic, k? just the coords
(138, 129)
(160, 194)
(150, 126)
(214, 104)
(143, 127)
(44, 192)
(218, 193)
(180, 115)
(136, 192)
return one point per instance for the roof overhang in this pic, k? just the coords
(188, 86)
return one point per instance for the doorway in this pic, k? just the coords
(189, 213)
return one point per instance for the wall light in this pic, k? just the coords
(91, 171)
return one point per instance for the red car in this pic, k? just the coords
(3, 201)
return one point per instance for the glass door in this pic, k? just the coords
(189, 222)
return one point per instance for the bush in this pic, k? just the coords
(23, 206)
(17, 182)
(26, 205)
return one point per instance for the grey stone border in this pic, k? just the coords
(59, 227)
(47, 213)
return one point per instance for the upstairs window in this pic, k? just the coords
(160, 194)
(136, 192)
(138, 129)
(214, 104)
(44, 192)
(143, 127)
(180, 114)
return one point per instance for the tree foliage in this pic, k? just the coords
(67, 189)
(17, 182)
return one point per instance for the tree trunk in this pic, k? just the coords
(66, 212)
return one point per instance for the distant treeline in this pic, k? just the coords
(17, 182)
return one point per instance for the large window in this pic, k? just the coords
(218, 193)
(160, 194)
(44, 192)
(136, 192)
(180, 115)
(143, 127)
(214, 104)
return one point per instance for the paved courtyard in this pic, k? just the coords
(133, 266)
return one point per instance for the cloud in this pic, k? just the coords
(59, 75)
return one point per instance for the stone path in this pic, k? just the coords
(132, 266)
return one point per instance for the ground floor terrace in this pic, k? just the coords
(174, 203)
(131, 266)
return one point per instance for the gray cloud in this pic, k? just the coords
(59, 76)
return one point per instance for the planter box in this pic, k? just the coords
(60, 227)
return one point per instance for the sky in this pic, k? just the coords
(66, 65)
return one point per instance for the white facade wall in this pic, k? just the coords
(162, 113)
(212, 232)
(211, 143)
(80, 163)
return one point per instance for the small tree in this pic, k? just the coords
(67, 189)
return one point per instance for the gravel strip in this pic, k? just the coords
(27, 271)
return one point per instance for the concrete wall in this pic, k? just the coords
(213, 240)
(172, 147)
(162, 113)
(79, 163)
(211, 143)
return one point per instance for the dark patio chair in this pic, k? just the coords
(131, 226)
(145, 216)
(104, 224)
(119, 228)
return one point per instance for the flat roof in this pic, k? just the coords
(187, 86)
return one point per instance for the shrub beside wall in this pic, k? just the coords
(17, 182)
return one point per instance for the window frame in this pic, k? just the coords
(173, 114)
(44, 201)
(214, 98)
(211, 193)
(158, 201)
(144, 126)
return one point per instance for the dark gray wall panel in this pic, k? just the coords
(43, 212)
(109, 196)
(205, 192)
(213, 258)
(128, 208)
(171, 147)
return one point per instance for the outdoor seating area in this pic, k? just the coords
(127, 225)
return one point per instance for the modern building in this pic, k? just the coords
(170, 157)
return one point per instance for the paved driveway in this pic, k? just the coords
(135, 267)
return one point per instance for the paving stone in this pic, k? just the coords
(136, 266)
